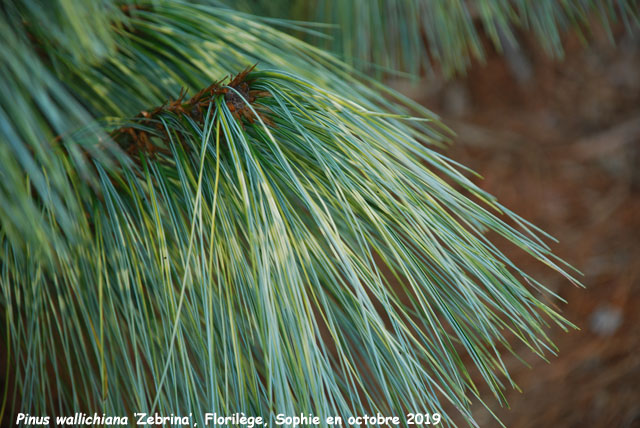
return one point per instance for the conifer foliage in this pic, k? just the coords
(200, 211)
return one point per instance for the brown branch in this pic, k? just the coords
(238, 100)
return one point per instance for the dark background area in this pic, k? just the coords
(558, 142)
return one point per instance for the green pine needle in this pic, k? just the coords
(297, 248)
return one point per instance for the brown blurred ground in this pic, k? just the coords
(558, 142)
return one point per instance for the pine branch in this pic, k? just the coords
(323, 260)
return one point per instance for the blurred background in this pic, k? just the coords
(558, 142)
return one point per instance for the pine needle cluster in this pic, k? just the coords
(288, 240)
